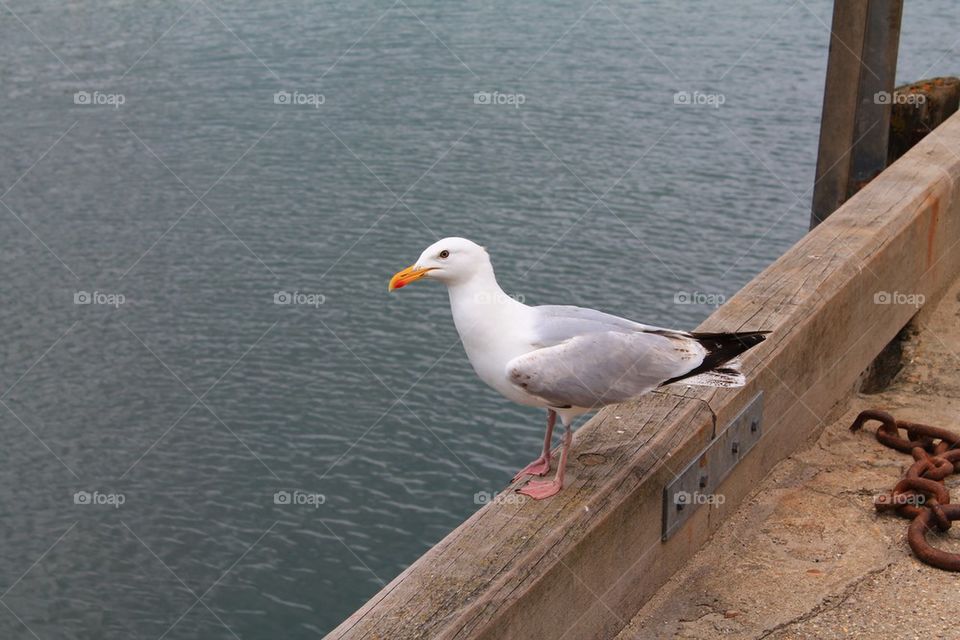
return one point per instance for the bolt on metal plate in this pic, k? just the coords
(696, 485)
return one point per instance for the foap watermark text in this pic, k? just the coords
(508, 497)
(699, 297)
(685, 498)
(885, 97)
(914, 300)
(99, 99)
(488, 298)
(699, 98)
(99, 297)
(495, 97)
(299, 498)
(96, 498)
(299, 298)
(299, 99)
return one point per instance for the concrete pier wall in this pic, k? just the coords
(581, 565)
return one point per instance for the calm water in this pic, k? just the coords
(194, 398)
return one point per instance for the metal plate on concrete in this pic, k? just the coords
(696, 485)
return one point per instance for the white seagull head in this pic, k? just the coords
(450, 261)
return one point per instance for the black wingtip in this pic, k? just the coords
(722, 348)
(738, 341)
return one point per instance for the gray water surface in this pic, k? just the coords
(195, 398)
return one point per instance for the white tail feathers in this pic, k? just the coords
(728, 375)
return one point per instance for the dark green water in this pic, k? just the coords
(194, 399)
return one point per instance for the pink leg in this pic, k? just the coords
(538, 490)
(541, 465)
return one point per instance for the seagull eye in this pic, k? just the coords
(444, 254)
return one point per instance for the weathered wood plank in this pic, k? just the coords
(581, 564)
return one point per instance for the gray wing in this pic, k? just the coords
(588, 358)
(558, 323)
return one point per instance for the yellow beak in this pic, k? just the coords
(408, 275)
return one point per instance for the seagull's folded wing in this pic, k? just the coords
(600, 367)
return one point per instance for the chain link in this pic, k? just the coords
(921, 494)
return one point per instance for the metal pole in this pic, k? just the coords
(855, 126)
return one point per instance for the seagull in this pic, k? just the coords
(568, 360)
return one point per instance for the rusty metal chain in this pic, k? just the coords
(921, 494)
